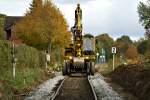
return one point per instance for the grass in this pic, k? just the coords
(25, 78)
(108, 67)
(118, 62)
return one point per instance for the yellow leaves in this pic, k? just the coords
(43, 23)
(131, 52)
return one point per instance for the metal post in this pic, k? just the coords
(45, 59)
(113, 50)
(97, 57)
(59, 59)
(50, 49)
(113, 61)
(46, 65)
(14, 62)
(14, 70)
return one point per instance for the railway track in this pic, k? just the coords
(76, 87)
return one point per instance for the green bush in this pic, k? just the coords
(5, 54)
(26, 56)
(2, 19)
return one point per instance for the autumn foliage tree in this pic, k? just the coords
(131, 52)
(43, 24)
(123, 44)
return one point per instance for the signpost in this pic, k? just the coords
(113, 50)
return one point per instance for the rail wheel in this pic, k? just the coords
(64, 69)
(92, 68)
(88, 68)
(68, 68)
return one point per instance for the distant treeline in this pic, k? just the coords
(126, 48)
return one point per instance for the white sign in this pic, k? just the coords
(48, 57)
(113, 50)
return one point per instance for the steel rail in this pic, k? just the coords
(92, 87)
(57, 91)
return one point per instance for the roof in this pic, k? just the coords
(10, 21)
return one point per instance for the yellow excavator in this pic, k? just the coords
(80, 55)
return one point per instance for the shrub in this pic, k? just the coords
(26, 56)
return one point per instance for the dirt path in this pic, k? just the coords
(75, 88)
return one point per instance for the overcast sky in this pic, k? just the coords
(115, 17)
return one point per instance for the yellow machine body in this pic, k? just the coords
(76, 58)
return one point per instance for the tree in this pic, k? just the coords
(42, 24)
(123, 44)
(144, 16)
(2, 18)
(131, 52)
(142, 46)
(34, 6)
(106, 42)
(144, 12)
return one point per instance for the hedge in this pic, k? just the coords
(26, 56)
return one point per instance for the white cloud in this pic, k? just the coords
(71, 1)
(14, 7)
(89, 9)
(116, 17)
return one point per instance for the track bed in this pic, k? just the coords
(75, 88)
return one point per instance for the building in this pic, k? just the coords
(9, 23)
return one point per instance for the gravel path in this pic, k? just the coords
(44, 91)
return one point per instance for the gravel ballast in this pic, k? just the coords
(102, 89)
(44, 91)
